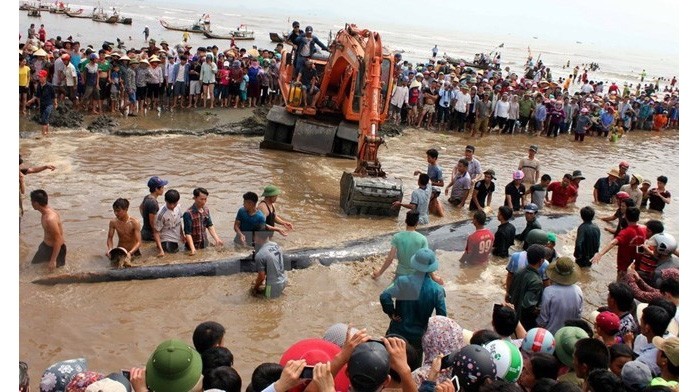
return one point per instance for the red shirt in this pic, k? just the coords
(560, 194)
(627, 241)
(478, 247)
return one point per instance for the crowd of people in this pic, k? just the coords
(537, 324)
(538, 340)
(455, 97)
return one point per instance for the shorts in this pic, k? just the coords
(23, 90)
(43, 255)
(179, 89)
(234, 89)
(90, 93)
(429, 108)
(154, 90)
(141, 92)
(243, 95)
(195, 87)
(104, 89)
(132, 97)
(115, 95)
(395, 109)
(70, 91)
(481, 124)
(312, 89)
(45, 114)
(170, 247)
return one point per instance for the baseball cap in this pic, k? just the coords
(607, 322)
(491, 172)
(624, 164)
(43, 73)
(636, 375)
(533, 147)
(622, 195)
(173, 367)
(469, 148)
(670, 347)
(308, 29)
(518, 175)
(156, 182)
(368, 366)
(530, 207)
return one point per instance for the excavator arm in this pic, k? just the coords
(367, 162)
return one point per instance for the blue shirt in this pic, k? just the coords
(518, 262)
(559, 303)
(249, 223)
(421, 197)
(435, 173)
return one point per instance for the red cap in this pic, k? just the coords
(43, 73)
(608, 322)
(622, 195)
(314, 351)
(624, 164)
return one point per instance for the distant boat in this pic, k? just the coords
(275, 37)
(100, 16)
(78, 14)
(194, 28)
(534, 37)
(579, 42)
(239, 35)
(34, 12)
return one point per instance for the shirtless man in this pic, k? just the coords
(128, 229)
(430, 96)
(52, 249)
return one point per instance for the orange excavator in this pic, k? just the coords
(352, 102)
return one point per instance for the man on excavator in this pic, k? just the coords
(306, 48)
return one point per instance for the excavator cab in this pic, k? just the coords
(355, 79)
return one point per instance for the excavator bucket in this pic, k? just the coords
(370, 195)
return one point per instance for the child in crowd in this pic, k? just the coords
(243, 89)
(435, 174)
(505, 234)
(587, 238)
(128, 229)
(116, 86)
(538, 191)
(169, 233)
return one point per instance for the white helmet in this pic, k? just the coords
(664, 243)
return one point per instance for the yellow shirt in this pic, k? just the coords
(24, 76)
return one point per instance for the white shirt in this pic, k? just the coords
(463, 102)
(502, 109)
(70, 74)
(169, 224)
(400, 96)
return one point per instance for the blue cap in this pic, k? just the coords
(156, 182)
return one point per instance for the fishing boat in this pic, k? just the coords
(275, 37)
(246, 36)
(58, 8)
(194, 28)
(34, 12)
(100, 16)
(25, 7)
(78, 14)
(126, 21)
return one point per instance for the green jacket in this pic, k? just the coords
(416, 296)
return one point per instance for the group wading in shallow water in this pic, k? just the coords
(537, 340)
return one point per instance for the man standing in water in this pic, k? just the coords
(197, 219)
(149, 207)
(269, 263)
(530, 167)
(52, 249)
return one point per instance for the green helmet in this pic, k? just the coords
(536, 236)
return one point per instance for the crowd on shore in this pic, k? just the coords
(538, 340)
(435, 94)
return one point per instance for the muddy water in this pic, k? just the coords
(117, 325)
